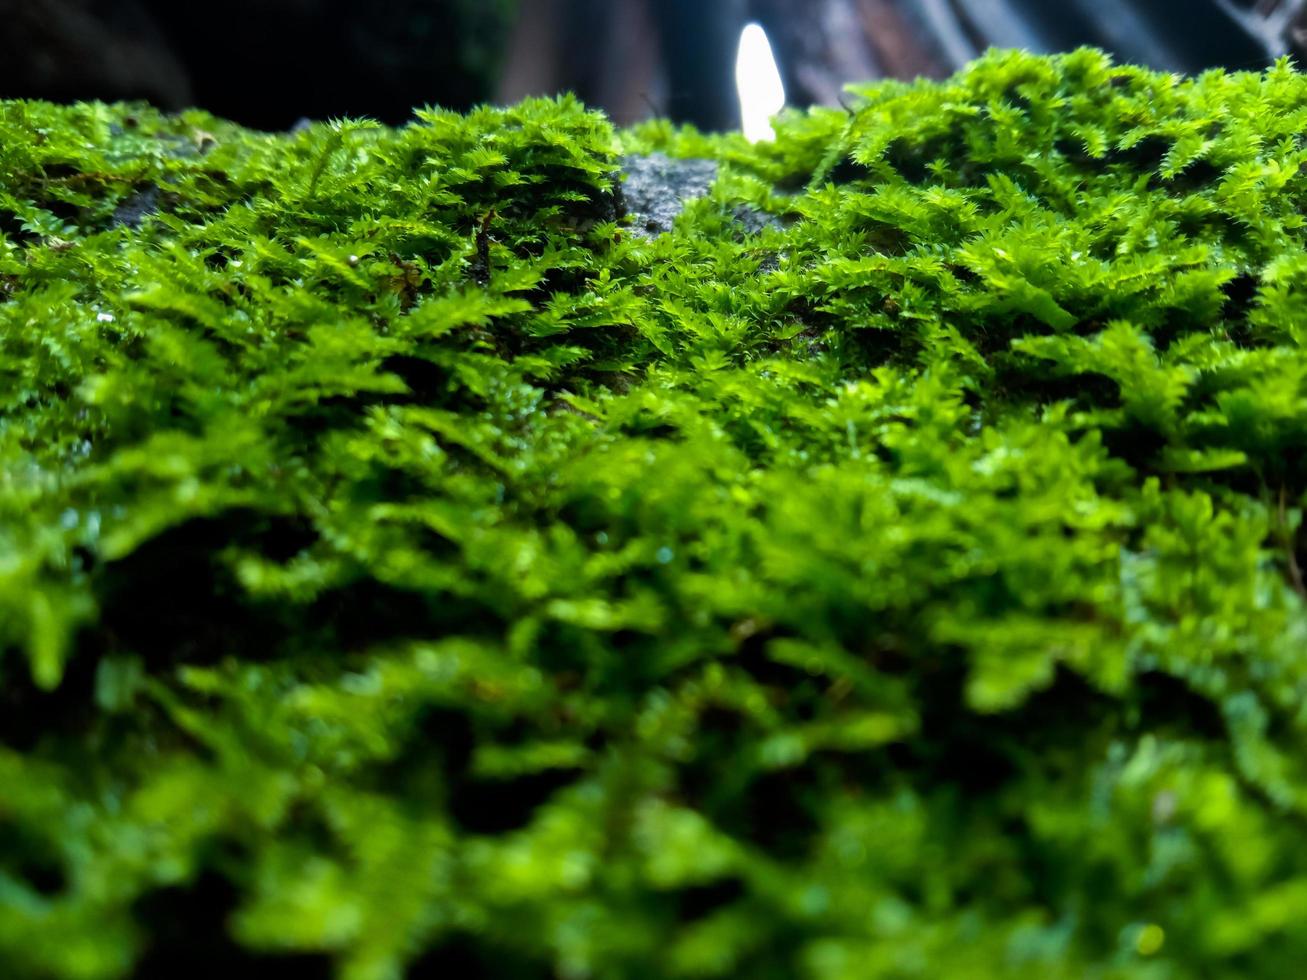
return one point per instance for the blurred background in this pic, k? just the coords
(269, 63)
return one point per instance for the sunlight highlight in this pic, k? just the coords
(758, 80)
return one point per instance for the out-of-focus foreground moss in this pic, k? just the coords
(409, 568)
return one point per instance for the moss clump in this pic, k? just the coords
(406, 570)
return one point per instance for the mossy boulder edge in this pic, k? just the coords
(893, 569)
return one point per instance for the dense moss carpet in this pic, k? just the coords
(412, 567)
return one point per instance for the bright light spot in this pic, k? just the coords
(758, 81)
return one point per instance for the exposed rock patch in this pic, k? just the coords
(657, 188)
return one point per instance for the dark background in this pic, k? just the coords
(269, 63)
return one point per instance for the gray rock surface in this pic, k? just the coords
(657, 188)
(135, 209)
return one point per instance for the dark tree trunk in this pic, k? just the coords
(65, 50)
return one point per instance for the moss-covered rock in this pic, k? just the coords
(406, 569)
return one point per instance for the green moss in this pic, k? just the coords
(405, 569)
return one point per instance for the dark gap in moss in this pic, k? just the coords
(450, 732)
(489, 806)
(428, 382)
(303, 425)
(794, 181)
(702, 900)
(368, 613)
(464, 955)
(172, 603)
(993, 335)
(219, 259)
(877, 347)
(956, 747)
(282, 538)
(847, 171)
(1135, 443)
(963, 274)
(1073, 151)
(429, 541)
(1248, 480)
(11, 228)
(1026, 379)
(61, 171)
(305, 824)
(886, 238)
(911, 162)
(646, 426)
(1240, 294)
(33, 860)
(772, 809)
(776, 812)
(69, 214)
(390, 485)
(977, 755)
(566, 281)
(1145, 156)
(30, 717)
(1225, 228)
(1168, 704)
(187, 926)
(441, 741)
(1197, 176)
